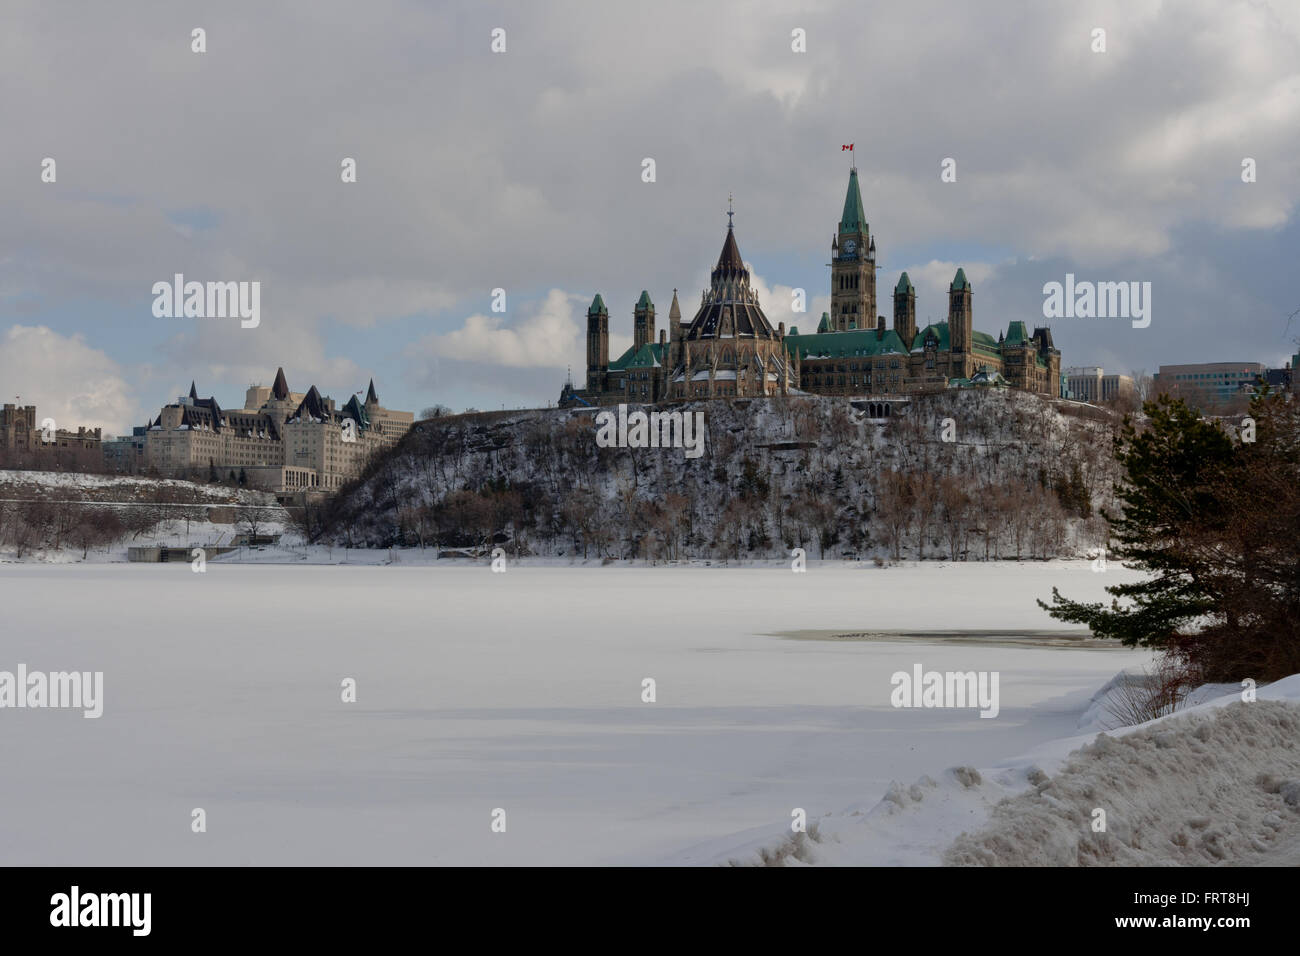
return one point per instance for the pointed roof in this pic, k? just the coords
(853, 219)
(312, 406)
(729, 261)
(674, 310)
(825, 324)
(730, 307)
(598, 305)
(194, 392)
(904, 284)
(644, 302)
(959, 280)
(356, 411)
(371, 397)
(280, 390)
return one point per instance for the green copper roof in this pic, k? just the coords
(825, 324)
(354, 409)
(959, 280)
(644, 302)
(1017, 335)
(598, 305)
(979, 340)
(854, 219)
(904, 284)
(648, 356)
(940, 330)
(853, 344)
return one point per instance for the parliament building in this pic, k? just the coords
(730, 349)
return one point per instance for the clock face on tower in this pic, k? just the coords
(850, 247)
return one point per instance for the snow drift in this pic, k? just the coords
(1217, 783)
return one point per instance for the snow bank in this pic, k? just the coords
(1216, 786)
(1217, 783)
(1108, 706)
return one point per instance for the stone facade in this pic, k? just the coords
(854, 353)
(731, 350)
(27, 441)
(279, 441)
(728, 350)
(1092, 384)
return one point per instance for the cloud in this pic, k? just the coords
(932, 280)
(777, 302)
(522, 170)
(548, 337)
(65, 379)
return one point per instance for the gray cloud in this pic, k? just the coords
(522, 170)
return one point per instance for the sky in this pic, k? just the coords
(522, 170)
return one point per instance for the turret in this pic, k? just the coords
(675, 348)
(905, 310)
(643, 322)
(597, 345)
(959, 323)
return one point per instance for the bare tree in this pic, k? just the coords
(251, 520)
(954, 511)
(894, 509)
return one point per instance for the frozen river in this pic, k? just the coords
(519, 691)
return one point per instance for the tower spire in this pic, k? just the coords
(853, 219)
(730, 213)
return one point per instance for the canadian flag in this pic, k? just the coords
(848, 147)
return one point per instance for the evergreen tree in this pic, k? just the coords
(1214, 523)
(1170, 469)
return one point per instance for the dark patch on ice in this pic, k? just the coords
(992, 638)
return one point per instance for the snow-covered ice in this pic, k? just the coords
(520, 691)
